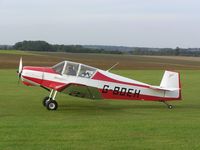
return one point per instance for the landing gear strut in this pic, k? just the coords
(168, 105)
(49, 102)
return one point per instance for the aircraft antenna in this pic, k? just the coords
(112, 67)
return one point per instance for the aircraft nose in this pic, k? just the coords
(33, 74)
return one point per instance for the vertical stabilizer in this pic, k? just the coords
(171, 81)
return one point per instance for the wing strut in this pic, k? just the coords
(112, 67)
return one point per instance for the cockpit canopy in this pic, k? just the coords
(74, 69)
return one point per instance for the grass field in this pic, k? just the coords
(86, 124)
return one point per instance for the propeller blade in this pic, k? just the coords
(20, 66)
(19, 72)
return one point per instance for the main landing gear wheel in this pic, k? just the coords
(44, 102)
(51, 105)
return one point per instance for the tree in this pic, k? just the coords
(177, 51)
(33, 46)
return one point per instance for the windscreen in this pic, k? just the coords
(58, 67)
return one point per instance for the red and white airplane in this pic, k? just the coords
(84, 81)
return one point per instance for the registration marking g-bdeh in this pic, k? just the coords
(122, 91)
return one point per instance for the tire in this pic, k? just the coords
(52, 105)
(44, 102)
(170, 106)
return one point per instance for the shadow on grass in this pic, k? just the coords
(188, 106)
(108, 107)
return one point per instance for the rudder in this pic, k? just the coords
(170, 80)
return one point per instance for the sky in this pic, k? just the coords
(142, 23)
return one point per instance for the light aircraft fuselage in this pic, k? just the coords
(84, 81)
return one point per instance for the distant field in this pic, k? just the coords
(15, 52)
(103, 61)
(86, 124)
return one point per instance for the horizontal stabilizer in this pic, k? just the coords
(163, 88)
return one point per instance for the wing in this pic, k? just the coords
(82, 91)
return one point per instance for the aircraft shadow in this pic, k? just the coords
(108, 107)
(188, 106)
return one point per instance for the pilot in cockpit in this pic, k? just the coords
(71, 71)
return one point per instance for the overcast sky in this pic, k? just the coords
(152, 23)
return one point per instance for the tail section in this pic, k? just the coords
(171, 82)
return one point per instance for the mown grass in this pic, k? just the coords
(16, 52)
(86, 124)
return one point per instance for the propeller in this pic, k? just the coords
(19, 72)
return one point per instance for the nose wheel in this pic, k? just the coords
(49, 101)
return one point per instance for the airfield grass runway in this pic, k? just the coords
(87, 124)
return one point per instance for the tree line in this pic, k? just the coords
(166, 52)
(44, 46)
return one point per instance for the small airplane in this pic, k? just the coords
(84, 81)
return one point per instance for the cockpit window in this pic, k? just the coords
(71, 69)
(74, 69)
(58, 67)
(86, 71)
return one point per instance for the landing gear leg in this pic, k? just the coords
(47, 98)
(168, 105)
(51, 103)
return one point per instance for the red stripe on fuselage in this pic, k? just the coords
(46, 83)
(41, 69)
(179, 78)
(102, 77)
(35, 80)
(133, 96)
(27, 83)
